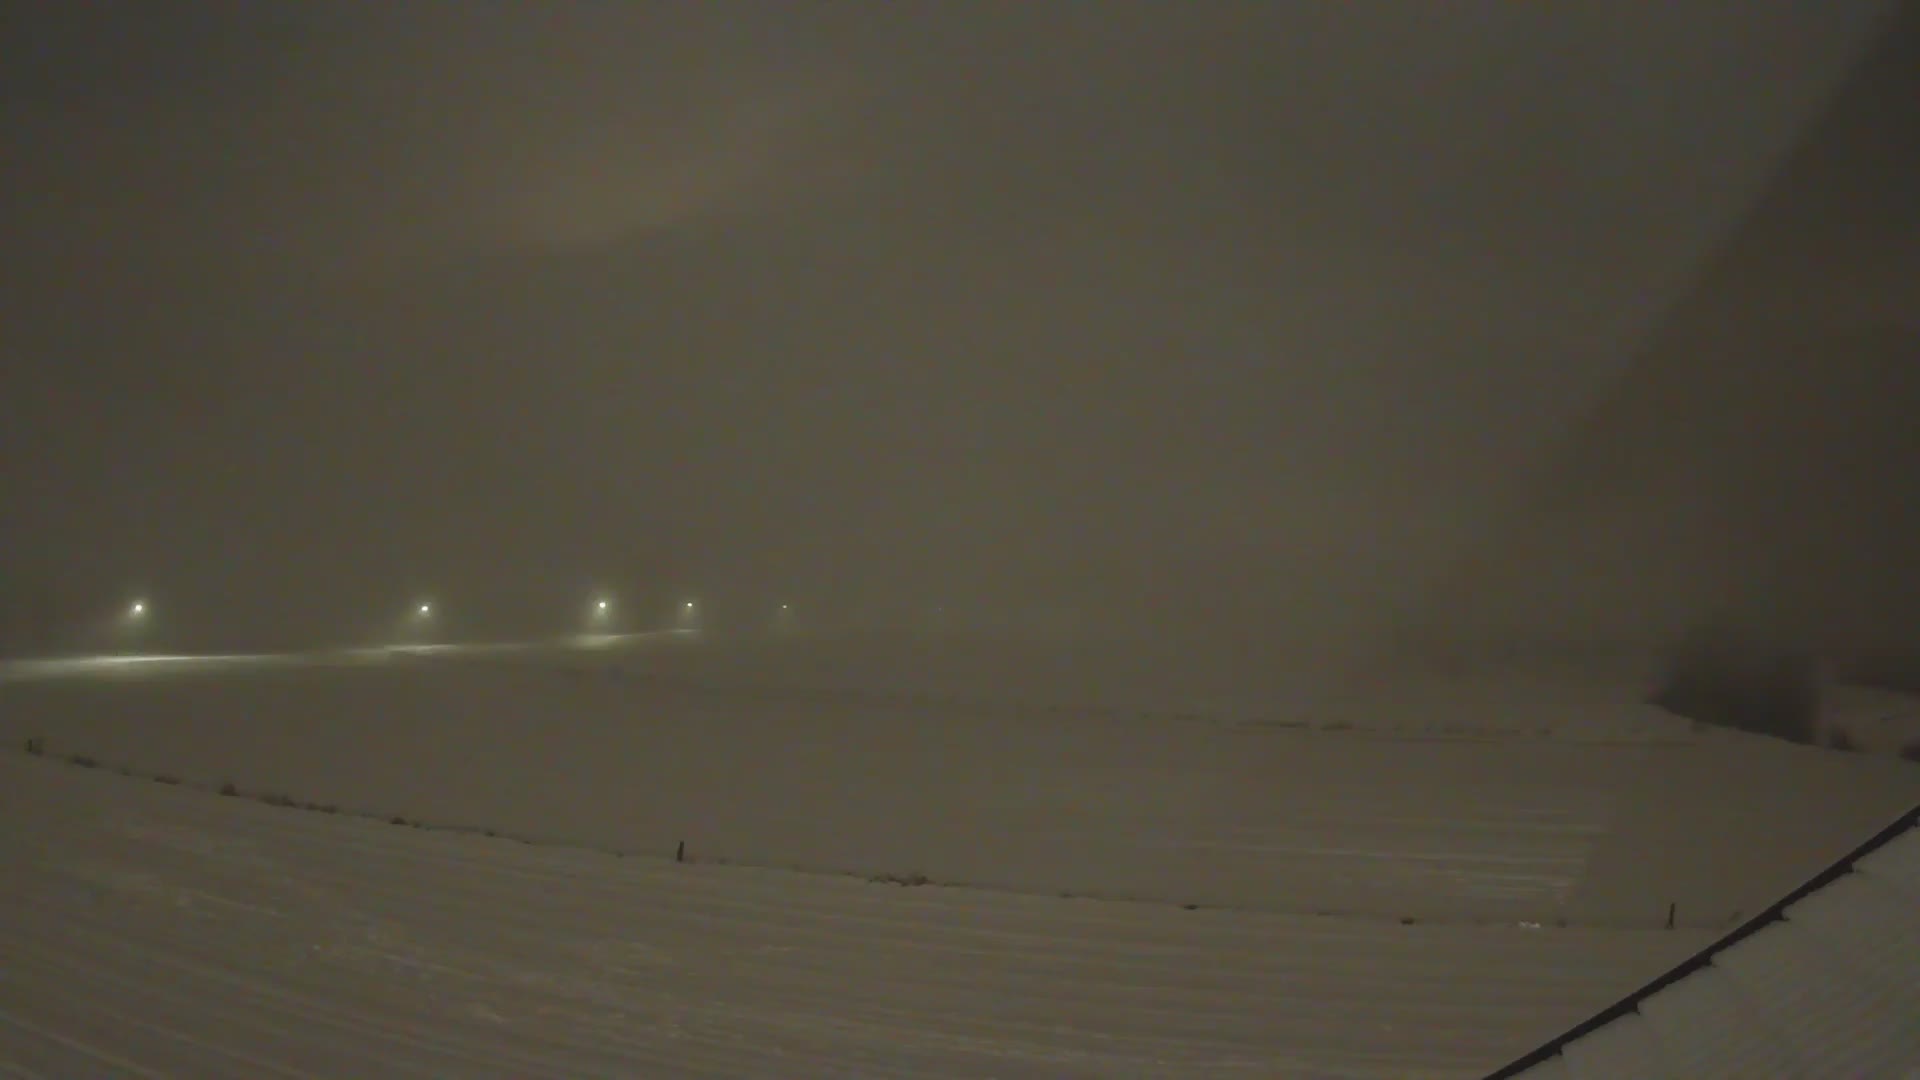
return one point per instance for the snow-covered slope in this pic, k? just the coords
(156, 930)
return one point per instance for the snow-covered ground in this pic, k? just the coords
(1184, 679)
(1870, 719)
(160, 931)
(1289, 877)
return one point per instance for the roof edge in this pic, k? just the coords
(1774, 913)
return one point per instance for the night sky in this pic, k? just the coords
(1246, 314)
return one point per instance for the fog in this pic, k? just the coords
(1271, 319)
(1753, 468)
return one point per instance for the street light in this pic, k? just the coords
(135, 620)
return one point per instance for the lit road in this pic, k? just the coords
(122, 665)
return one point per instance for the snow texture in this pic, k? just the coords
(1415, 880)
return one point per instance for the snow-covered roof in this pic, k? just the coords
(1825, 983)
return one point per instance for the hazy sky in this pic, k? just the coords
(1757, 462)
(1248, 307)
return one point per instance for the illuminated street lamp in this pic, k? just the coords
(134, 623)
(135, 619)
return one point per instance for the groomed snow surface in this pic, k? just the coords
(1409, 890)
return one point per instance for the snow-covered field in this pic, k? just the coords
(159, 931)
(1238, 683)
(1279, 879)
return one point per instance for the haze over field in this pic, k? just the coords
(1046, 540)
(1242, 316)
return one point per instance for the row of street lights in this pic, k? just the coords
(139, 611)
(602, 609)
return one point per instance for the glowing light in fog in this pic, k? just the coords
(137, 609)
